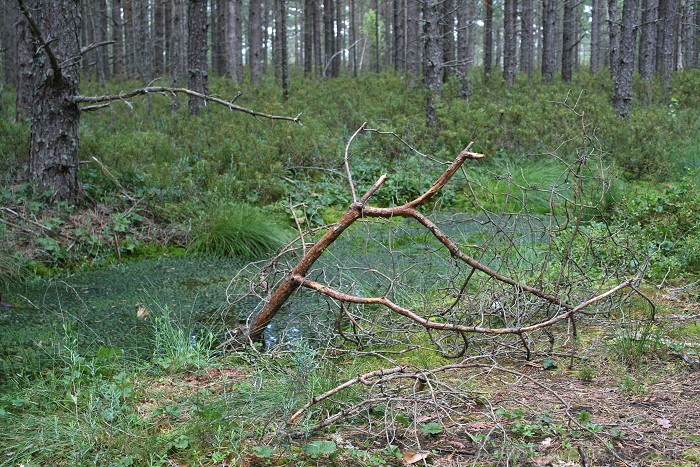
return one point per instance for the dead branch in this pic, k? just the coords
(36, 32)
(168, 90)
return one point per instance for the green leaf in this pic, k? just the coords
(432, 428)
(549, 364)
(318, 448)
(263, 451)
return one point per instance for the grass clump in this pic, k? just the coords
(239, 230)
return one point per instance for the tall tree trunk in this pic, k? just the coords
(622, 98)
(118, 38)
(101, 30)
(413, 38)
(197, 69)
(308, 37)
(527, 37)
(234, 35)
(255, 40)
(318, 54)
(129, 40)
(399, 35)
(282, 32)
(432, 58)
(647, 39)
(158, 37)
(568, 40)
(339, 36)
(23, 53)
(464, 51)
(55, 117)
(488, 37)
(447, 29)
(510, 14)
(353, 38)
(178, 45)
(666, 43)
(87, 37)
(596, 26)
(328, 36)
(549, 35)
(614, 33)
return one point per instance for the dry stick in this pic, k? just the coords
(163, 89)
(346, 161)
(359, 378)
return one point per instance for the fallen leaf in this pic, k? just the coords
(410, 457)
(141, 311)
(663, 422)
(546, 443)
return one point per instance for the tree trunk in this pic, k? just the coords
(527, 37)
(234, 34)
(596, 25)
(308, 37)
(255, 40)
(198, 76)
(399, 36)
(129, 40)
(647, 39)
(55, 117)
(447, 27)
(510, 14)
(353, 38)
(568, 40)
(432, 58)
(549, 34)
(118, 38)
(282, 32)
(102, 57)
(413, 38)
(158, 37)
(339, 35)
(328, 36)
(614, 33)
(23, 79)
(666, 43)
(488, 37)
(463, 49)
(622, 98)
(318, 56)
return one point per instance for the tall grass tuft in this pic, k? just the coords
(240, 230)
(11, 270)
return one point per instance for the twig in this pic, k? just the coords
(106, 171)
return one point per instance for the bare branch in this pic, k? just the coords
(167, 90)
(94, 45)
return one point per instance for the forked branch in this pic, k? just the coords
(359, 209)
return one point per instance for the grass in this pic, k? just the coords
(238, 230)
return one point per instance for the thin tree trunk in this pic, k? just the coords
(23, 71)
(308, 37)
(158, 37)
(413, 38)
(614, 33)
(432, 58)
(527, 38)
(318, 54)
(234, 34)
(510, 13)
(463, 47)
(197, 69)
(488, 37)
(255, 40)
(549, 34)
(118, 38)
(447, 26)
(647, 39)
(399, 35)
(568, 40)
(622, 98)
(282, 32)
(596, 25)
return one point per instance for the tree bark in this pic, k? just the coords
(568, 40)
(510, 14)
(308, 37)
(666, 43)
(234, 34)
(622, 98)
(399, 35)
(197, 69)
(55, 117)
(412, 38)
(614, 33)
(464, 51)
(432, 58)
(549, 34)
(596, 27)
(647, 39)
(527, 37)
(282, 31)
(255, 40)
(318, 55)
(118, 38)
(488, 37)
(447, 26)
(24, 53)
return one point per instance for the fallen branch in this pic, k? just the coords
(168, 90)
